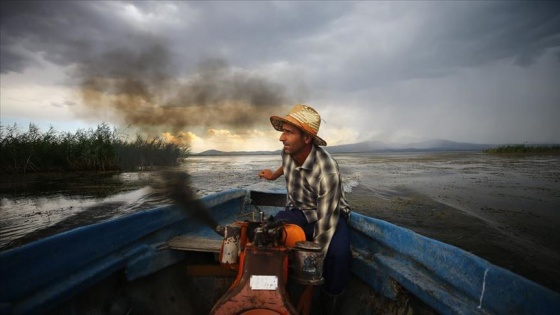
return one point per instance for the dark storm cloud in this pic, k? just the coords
(132, 71)
(253, 32)
(62, 32)
(484, 32)
(436, 39)
(67, 32)
(447, 35)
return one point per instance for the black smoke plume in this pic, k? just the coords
(143, 90)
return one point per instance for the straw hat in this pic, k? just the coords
(303, 117)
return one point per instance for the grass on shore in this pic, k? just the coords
(522, 148)
(100, 149)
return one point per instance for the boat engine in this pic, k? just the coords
(266, 254)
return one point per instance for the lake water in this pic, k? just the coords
(503, 208)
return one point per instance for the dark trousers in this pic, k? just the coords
(336, 266)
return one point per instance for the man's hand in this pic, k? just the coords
(270, 175)
(345, 214)
(266, 174)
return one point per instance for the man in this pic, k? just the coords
(316, 200)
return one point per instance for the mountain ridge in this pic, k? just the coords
(375, 146)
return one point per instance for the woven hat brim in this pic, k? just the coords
(277, 123)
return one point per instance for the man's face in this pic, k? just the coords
(294, 140)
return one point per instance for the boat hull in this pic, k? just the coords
(136, 263)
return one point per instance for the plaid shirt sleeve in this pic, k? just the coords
(327, 209)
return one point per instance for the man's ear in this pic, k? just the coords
(307, 138)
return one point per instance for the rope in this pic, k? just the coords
(483, 288)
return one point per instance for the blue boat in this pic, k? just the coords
(162, 261)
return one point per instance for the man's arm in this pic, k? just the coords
(270, 175)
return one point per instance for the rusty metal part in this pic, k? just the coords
(262, 284)
(306, 263)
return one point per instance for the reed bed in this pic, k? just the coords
(522, 148)
(94, 149)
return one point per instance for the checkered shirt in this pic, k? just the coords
(315, 187)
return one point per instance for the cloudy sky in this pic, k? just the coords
(212, 73)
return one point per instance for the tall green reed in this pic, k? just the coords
(99, 149)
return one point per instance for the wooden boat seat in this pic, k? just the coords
(206, 240)
(196, 244)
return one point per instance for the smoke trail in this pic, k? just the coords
(139, 86)
(175, 186)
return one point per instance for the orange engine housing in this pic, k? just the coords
(260, 285)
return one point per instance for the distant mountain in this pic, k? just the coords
(430, 145)
(439, 144)
(230, 153)
(368, 146)
(376, 146)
